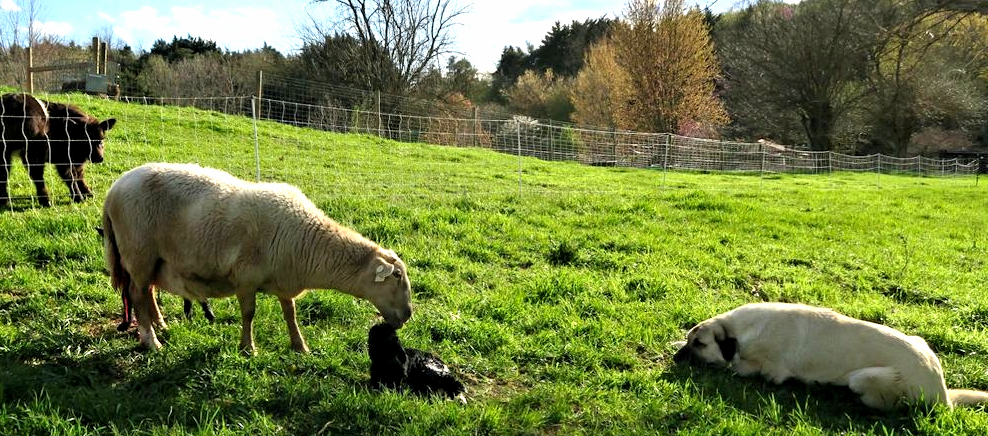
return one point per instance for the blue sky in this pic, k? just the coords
(245, 24)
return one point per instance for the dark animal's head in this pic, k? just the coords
(389, 363)
(75, 136)
(708, 342)
(384, 279)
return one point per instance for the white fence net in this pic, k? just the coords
(149, 137)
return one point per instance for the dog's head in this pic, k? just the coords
(708, 342)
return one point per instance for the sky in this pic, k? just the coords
(237, 25)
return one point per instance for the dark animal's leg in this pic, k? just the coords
(187, 308)
(4, 173)
(127, 311)
(207, 311)
(35, 163)
(80, 173)
(288, 309)
(71, 180)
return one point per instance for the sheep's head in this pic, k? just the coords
(385, 280)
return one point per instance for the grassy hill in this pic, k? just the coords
(552, 289)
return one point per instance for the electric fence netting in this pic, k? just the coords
(386, 168)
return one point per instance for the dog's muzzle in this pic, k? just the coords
(684, 355)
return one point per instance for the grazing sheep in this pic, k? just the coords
(207, 311)
(391, 365)
(202, 233)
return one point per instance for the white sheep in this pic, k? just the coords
(202, 233)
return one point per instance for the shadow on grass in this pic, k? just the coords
(831, 408)
(191, 389)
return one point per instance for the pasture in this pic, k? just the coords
(552, 289)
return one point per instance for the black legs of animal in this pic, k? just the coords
(4, 173)
(73, 178)
(207, 311)
(288, 310)
(35, 163)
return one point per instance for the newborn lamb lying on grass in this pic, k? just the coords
(393, 365)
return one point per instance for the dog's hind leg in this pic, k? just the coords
(880, 387)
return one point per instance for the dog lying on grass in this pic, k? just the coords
(395, 367)
(780, 341)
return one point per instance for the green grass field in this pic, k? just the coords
(552, 289)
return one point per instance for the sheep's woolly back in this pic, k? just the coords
(225, 232)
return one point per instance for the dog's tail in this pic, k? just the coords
(119, 277)
(965, 397)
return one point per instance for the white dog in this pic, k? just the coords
(778, 340)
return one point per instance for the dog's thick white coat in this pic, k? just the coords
(781, 341)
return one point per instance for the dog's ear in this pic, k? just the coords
(728, 347)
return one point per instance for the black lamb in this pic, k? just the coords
(394, 366)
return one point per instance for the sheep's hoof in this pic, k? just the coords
(248, 351)
(151, 345)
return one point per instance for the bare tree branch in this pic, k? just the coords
(399, 39)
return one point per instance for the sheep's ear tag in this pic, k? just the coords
(383, 272)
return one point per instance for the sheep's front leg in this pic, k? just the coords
(248, 301)
(288, 309)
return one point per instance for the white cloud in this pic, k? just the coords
(491, 26)
(106, 17)
(53, 28)
(234, 29)
(9, 6)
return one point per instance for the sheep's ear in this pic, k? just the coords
(383, 271)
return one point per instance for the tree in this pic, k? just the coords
(811, 59)
(397, 39)
(562, 50)
(600, 88)
(541, 96)
(667, 54)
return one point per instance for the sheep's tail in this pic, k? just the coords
(119, 277)
(965, 397)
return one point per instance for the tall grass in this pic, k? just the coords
(552, 289)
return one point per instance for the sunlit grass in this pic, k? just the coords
(552, 289)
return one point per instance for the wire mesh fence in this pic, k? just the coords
(150, 137)
(563, 142)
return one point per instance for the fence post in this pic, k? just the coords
(878, 176)
(761, 149)
(104, 58)
(96, 57)
(30, 70)
(552, 145)
(518, 136)
(476, 126)
(380, 128)
(665, 159)
(257, 148)
(260, 89)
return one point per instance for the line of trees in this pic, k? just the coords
(899, 77)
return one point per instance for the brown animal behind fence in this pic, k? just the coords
(46, 132)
